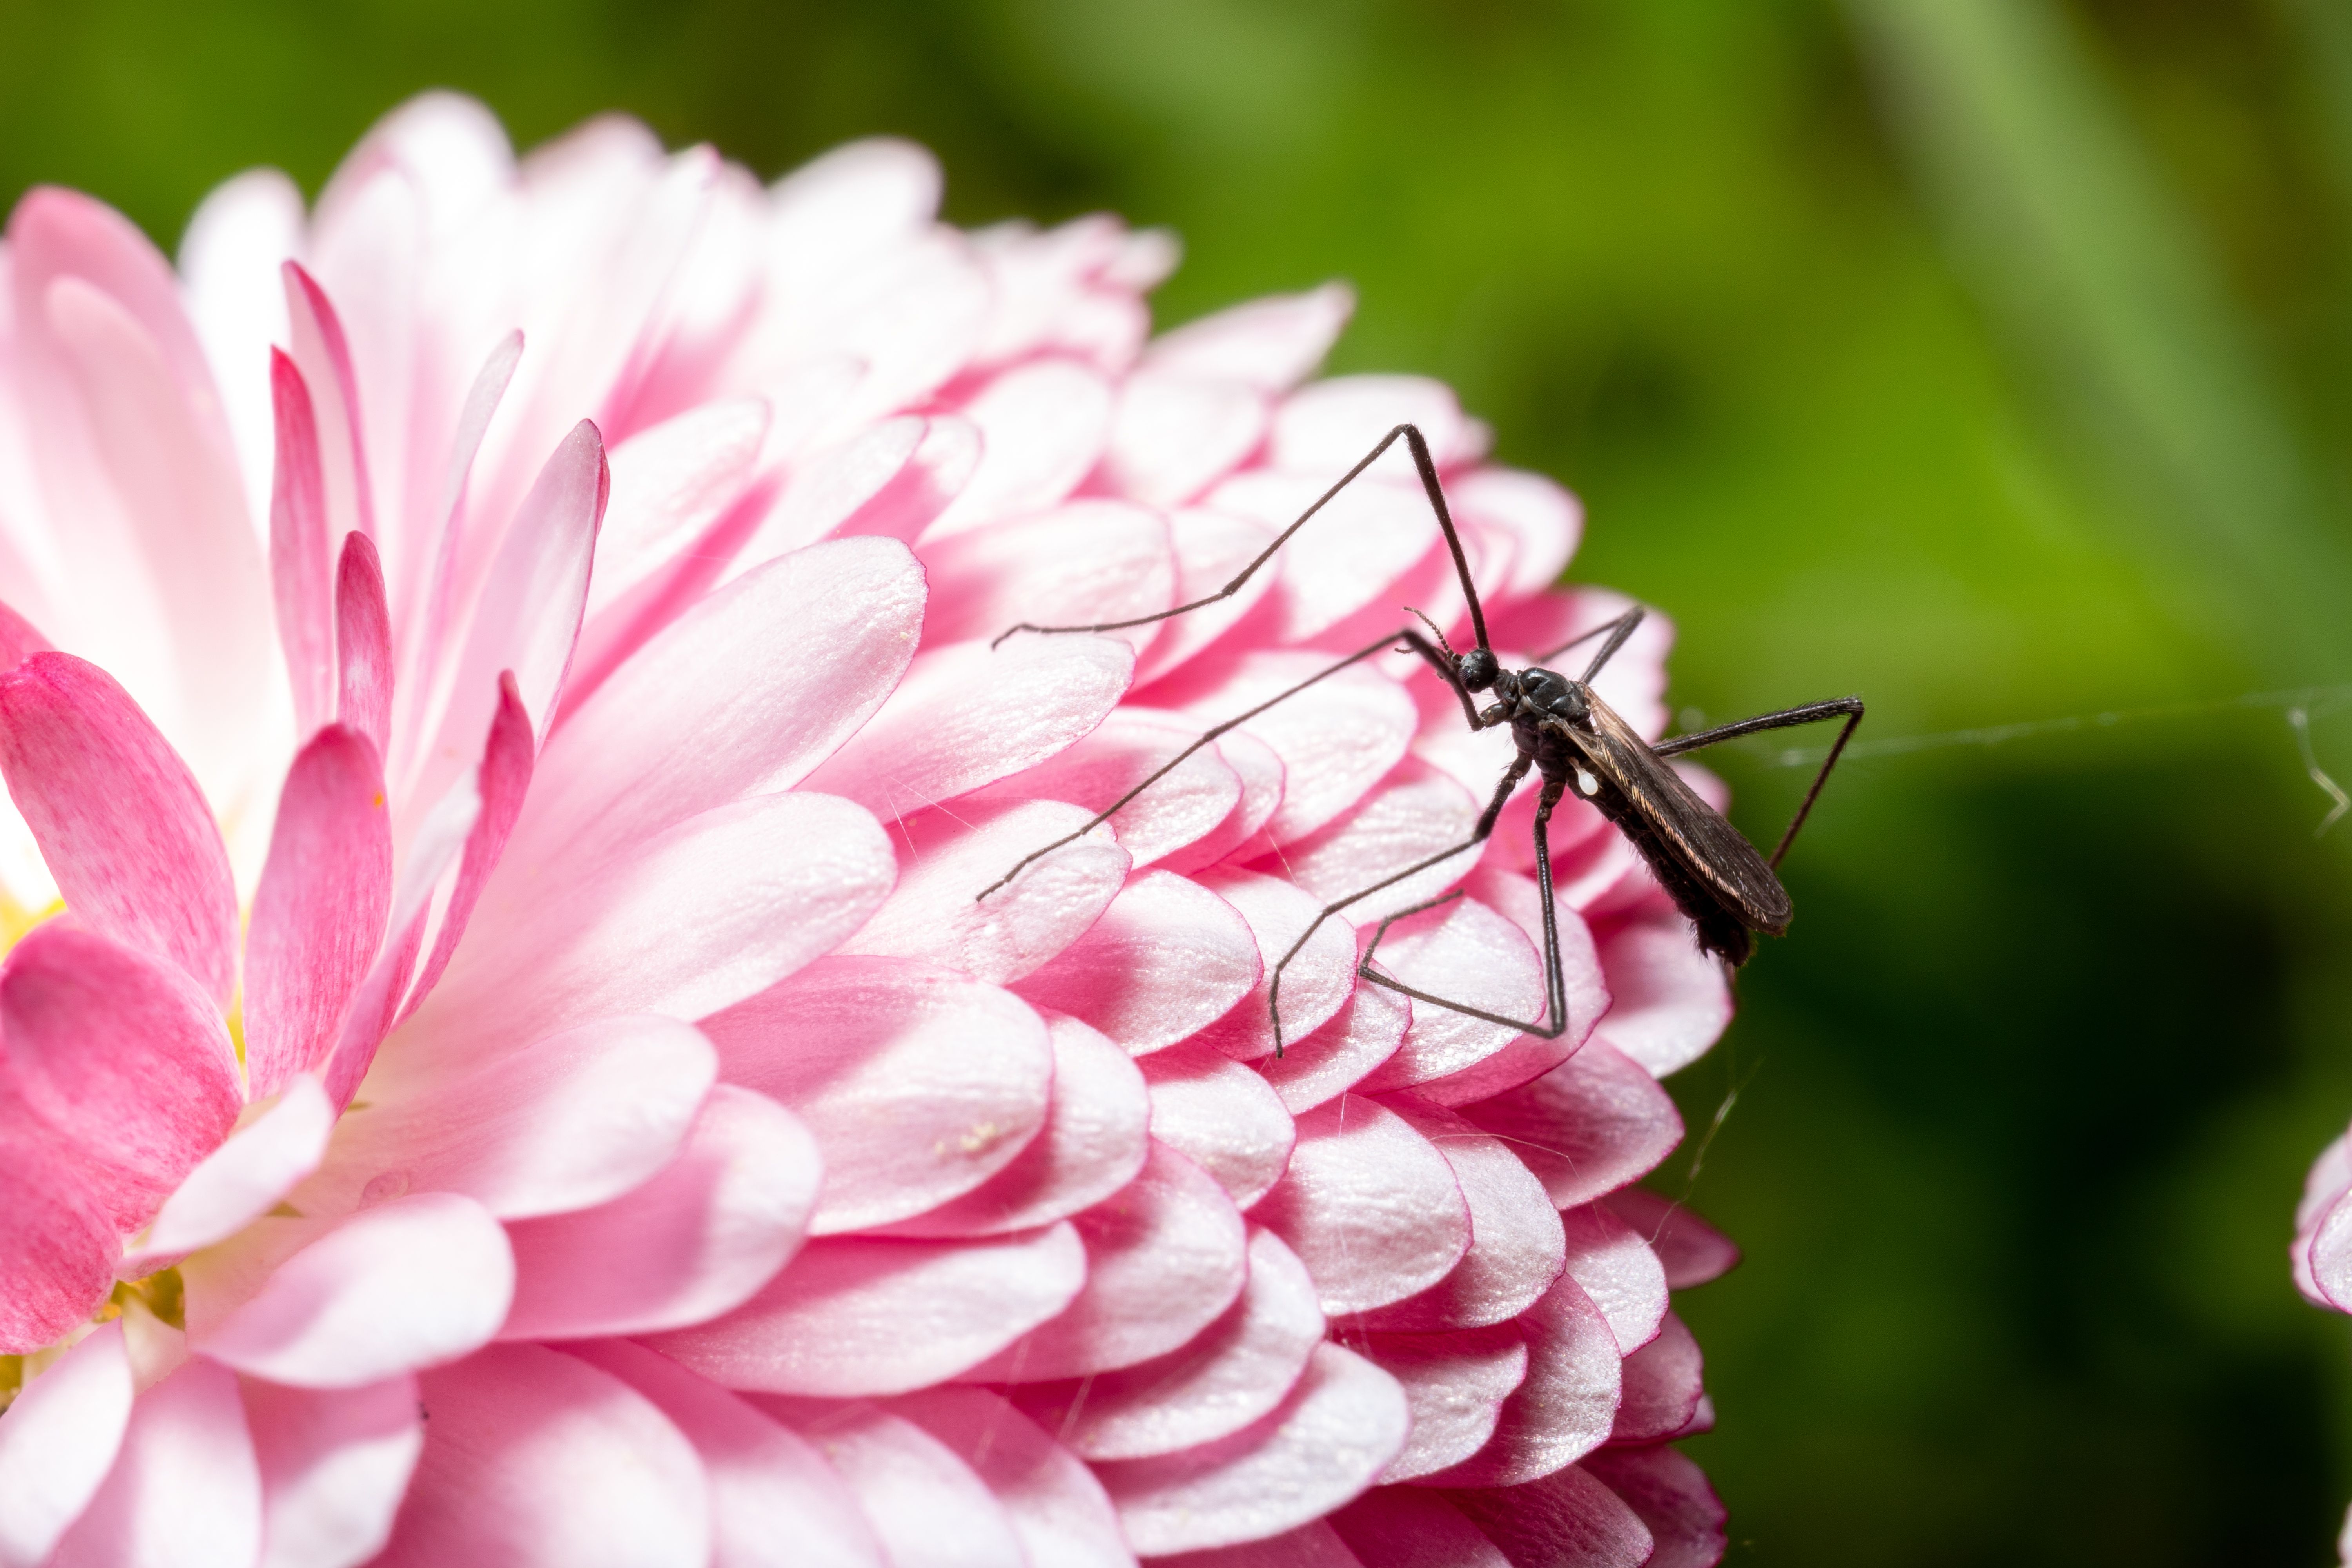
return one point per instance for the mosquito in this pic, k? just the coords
(1568, 736)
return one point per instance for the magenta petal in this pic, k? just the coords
(1566, 1519)
(1369, 1205)
(1312, 1545)
(1516, 1246)
(1529, 1057)
(1165, 1258)
(700, 1237)
(1230, 1374)
(19, 639)
(501, 783)
(1093, 1144)
(1567, 1405)
(1335, 1432)
(1456, 1383)
(300, 553)
(58, 1444)
(318, 913)
(362, 643)
(1405, 1527)
(1344, 1052)
(407, 1284)
(57, 1247)
(1221, 1116)
(1669, 1001)
(185, 1488)
(120, 1056)
(1335, 740)
(1415, 812)
(1465, 952)
(1167, 958)
(1616, 1267)
(242, 1180)
(774, 1501)
(1321, 975)
(535, 1459)
(1691, 1252)
(919, 1084)
(855, 1317)
(1663, 1386)
(334, 1466)
(1672, 1497)
(119, 818)
(1056, 1506)
(926, 1506)
(1593, 1124)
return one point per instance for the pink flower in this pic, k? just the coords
(522, 1073)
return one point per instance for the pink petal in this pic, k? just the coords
(363, 644)
(1662, 1386)
(57, 1251)
(774, 1499)
(1566, 1406)
(1042, 426)
(1544, 521)
(715, 885)
(1332, 423)
(856, 1317)
(1672, 1497)
(1270, 344)
(926, 1506)
(933, 915)
(1132, 745)
(1212, 548)
(1093, 1144)
(119, 820)
(1616, 1267)
(318, 913)
(1056, 1506)
(1232, 1374)
(1516, 1248)
(184, 1491)
(1321, 977)
(919, 1084)
(2329, 1255)
(324, 357)
(536, 1459)
(1456, 1384)
(334, 1466)
(1691, 1252)
(124, 1058)
(1405, 1527)
(1566, 1518)
(670, 483)
(243, 1179)
(1593, 1124)
(569, 1121)
(1165, 1258)
(59, 1443)
(1174, 434)
(1464, 952)
(967, 715)
(1337, 1430)
(1417, 810)
(1529, 1057)
(699, 1237)
(1670, 1002)
(1167, 958)
(891, 479)
(1357, 550)
(409, 1283)
(1335, 740)
(1369, 1205)
(1084, 562)
(300, 551)
(19, 639)
(1341, 1055)
(1221, 1116)
(1315, 1545)
(501, 785)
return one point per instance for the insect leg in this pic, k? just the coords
(1787, 718)
(1554, 978)
(1511, 777)
(1618, 631)
(1411, 638)
(1422, 461)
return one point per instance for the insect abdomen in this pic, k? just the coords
(1720, 932)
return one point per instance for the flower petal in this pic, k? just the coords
(409, 1283)
(1406, 1527)
(1415, 812)
(1319, 979)
(119, 818)
(1663, 1386)
(58, 1248)
(1058, 1508)
(1593, 1124)
(363, 645)
(1351, 556)
(243, 1179)
(1464, 952)
(1336, 739)
(1232, 1374)
(334, 1466)
(184, 1491)
(1456, 1383)
(1311, 1545)
(1369, 1205)
(1338, 1428)
(59, 1443)
(1529, 1057)
(701, 1235)
(539, 1460)
(926, 1506)
(1672, 1497)
(1567, 1518)
(1084, 562)
(1174, 434)
(1221, 1116)
(1341, 1055)
(1517, 1246)
(1566, 1406)
(300, 552)
(1691, 1252)
(1332, 423)
(919, 1084)
(1042, 426)
(1616, 1267)
(1134, 744)
(1212, 548)
(1670, 1001)
(1271, 343)
(855, 1317)
(1166, 958)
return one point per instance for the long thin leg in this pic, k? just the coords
(1421, 461)
(1554, 978)
(1411, 638)
(1511, 777)
(1618, 631)
(1786, 719)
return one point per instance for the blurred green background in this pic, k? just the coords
(1989, 357)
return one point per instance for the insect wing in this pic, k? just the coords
(1711, 849)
